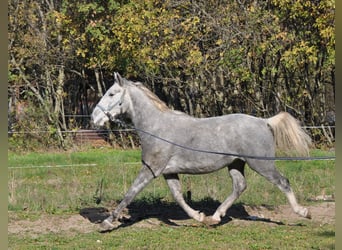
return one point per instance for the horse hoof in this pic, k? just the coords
(200, 217)
(308, 214)
(106, 226)
(210, 221)
(305, 212)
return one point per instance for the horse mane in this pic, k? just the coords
(155, 99)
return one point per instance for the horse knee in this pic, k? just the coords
(277, 179)
(239, 181)
(284, 185)
(242, 185)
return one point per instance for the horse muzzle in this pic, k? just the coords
(98, 117)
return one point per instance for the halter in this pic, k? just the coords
(110, 107)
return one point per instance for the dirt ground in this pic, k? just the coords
(149, 216)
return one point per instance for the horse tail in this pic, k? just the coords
(288, 134)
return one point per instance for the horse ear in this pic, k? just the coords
(118, 78)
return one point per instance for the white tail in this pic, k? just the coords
(288, 134)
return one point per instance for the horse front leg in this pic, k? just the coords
(144, 177)
(176, 190)
(239, 185)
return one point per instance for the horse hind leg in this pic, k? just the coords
(269, 171)
(175, 188)
(236, 171)
(302, 211)
(284, 185)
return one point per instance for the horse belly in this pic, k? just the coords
(203, 165)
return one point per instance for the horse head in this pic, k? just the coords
(113, 103)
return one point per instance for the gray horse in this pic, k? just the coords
(175, 143)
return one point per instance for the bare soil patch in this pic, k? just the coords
(144, 215)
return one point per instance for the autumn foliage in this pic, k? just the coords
(205, 58)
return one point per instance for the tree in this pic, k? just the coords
(37, 65)
(203, 57)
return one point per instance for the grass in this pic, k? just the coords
(226, 237)
(65, 188)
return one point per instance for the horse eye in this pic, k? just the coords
(111, 94)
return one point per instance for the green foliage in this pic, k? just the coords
(32, 131)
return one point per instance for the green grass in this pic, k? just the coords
(54, 182)
(228, 236)
(58, 189)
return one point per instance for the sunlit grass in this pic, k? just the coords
(57, 183)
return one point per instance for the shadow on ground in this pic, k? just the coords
(169, 212)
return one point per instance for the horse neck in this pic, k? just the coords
(144, 113)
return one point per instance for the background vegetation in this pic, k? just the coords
(206, 58)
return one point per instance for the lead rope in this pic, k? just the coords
(279, 158)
